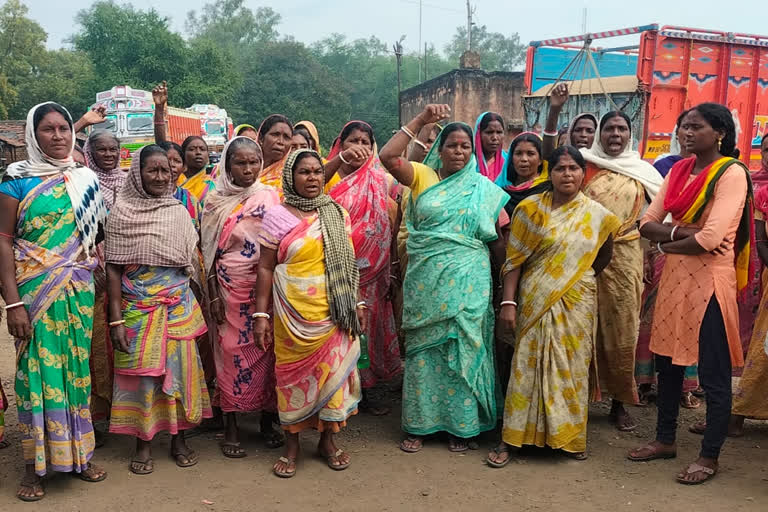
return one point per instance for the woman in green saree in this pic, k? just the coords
(449, 382)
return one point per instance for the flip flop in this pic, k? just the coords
(654, 454)
(697, 468)
(234, 452)
(454, 445)
(186, 460)
(287, 473)
(34, 487)
(415, 449)
(688, 401)
(498, 451)
(92, 467)
(579, 456)
(142, 467)
(329, 459)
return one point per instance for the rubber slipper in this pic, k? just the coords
(580, 456)
(498, 451)
(287, 473)
(697, 468)
(414, 449)
(455, 446)
(191, 459)
(235, 452)
(654, 455)
(329, 459)
(142, 467)
(92, 467)
(33, 487)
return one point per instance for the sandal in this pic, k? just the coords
(288, 473)
(627, 425)
(417, 444)
(457, 445)
(331, 459)
(651, 453)
(35, 486)
(498, 450)
(580, 456)
(232, 450)
(688, 401)
(186, 460)
(142, 467)
(90, 470)
(709, 474)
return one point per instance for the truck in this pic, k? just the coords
(669, 70)
(130, 116)
(217, 125)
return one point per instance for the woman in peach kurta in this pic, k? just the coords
(706, 247)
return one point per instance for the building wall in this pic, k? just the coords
(470, 92)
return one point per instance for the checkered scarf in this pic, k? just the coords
(341, 272)
(148, 230)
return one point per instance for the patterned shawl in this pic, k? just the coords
(220, 204)
(110, 180)
(148, 230)
(81, 182)
(341, 272)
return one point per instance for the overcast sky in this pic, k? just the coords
(389, 19)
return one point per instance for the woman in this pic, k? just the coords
(311, 130)
(308, 262)
(275, 135)
(489, 141)
(707, 249)
(526, 172)
(619, 179)
(645, 370)
(51, 209)
(184, 196)
(246, 130)
(300, 140)
(559, 241)
(582, 130)
(194, 151)
(362, 187)
(154, 317)
(449, 382)
(245, 373)
(102, 155)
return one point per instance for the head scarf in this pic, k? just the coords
(497, 166)
(149, 230)
(312, 129)
(341, 272)
(627, 163)
(241, 127)
(110, 180)
(540, 182)
(585, 115)
(81, 183)
(221, 202)
(433, 156)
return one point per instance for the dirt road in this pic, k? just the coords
(384, 478)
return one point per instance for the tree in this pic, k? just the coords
(497, 52)
(231, 24)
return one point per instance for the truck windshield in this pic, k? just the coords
(215, 128)
(139, 122)
(109, 124)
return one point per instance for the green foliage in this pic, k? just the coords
(229, 23)
(22, 49)
(497, 52)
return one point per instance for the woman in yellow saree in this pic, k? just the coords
(275, 135)
(559, 241)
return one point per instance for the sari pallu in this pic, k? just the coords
(318, 385)
(198, 185)
(159, 385)
(548, 393)
(53, 383)
(272, 175)
(449, 382)
(365, 195)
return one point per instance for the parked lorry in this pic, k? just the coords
(130, 116)
(217, 125)
(671, 69)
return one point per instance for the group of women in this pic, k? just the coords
(156, 298)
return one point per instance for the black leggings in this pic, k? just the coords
(715, 378)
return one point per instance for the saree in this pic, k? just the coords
(245, 374)
(198, 185)
(190, 204)
(365, 195)
(318, 385)
(272, 175)
(53, 381)
(449, 382)
(548, 394)
(159, 385)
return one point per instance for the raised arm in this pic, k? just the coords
(556, 101)
(160, 97)
(94, 116)
(355, 152)
(390, 154)
(419, 147)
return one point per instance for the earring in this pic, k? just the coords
(719, 143)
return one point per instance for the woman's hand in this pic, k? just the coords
(119, 338)
(94, 116)
(683, 232)
(216, 306)
(19, 325)
(260, 326)
(434, 113)
(559, 96)
(362, 318)
(356, 154)
(160, 94)
(508, 317)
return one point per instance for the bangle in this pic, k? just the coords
(508, 303)
(396, 262)
(341, 157)
(261, 315)
(6, 235)
(549, 134)
(212, 276)
(658, 247)
(418, 142)
(408, 132)
(672, 234)
(361, 305)
(215, 299)
(14, 305)
(116, 323)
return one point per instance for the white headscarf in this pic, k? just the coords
(81, 182)
(627, 163)
(220, 202)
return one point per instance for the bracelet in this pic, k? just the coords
(549, 134)
(261, 315)
(393, 276)
(396, 262)
(423, 146)
(6, 235)
(14, 305)
(116, 323)
(408, 132)
(658, 247)
(341, 157)
(508, 303)
(212, 276)
(361, 305)
(215, 299)
(672, 234)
